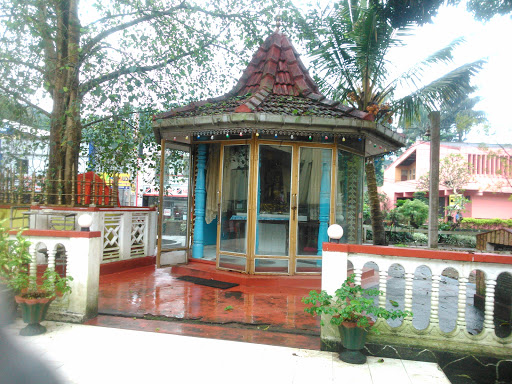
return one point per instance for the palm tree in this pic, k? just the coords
(350, 43)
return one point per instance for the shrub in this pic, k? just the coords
(460, 241)
(420, 238)
(470, 223)
(414, 212)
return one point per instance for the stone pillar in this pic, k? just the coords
(200, 202)
(83, 264)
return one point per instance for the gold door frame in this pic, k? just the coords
(250, 254)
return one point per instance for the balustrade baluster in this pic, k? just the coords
(73, 187)
(116, 192)
(357, 278)
(461, 312)
(59, 185)
(383, 279)
(33, 192)
(490, 286)
(51, 259)
(434, 303)
(21, 185)
(94, 200)
(409, 277)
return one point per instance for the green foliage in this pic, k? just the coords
(454, 173)
(14, 269)
(470, 223)
(486, 9)
(14, 259)
(414, 212)
(150, 55)
(420, 238)
(458, 240)
(351, 303)
(421, 195)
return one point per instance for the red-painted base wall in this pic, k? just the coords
(123, 265)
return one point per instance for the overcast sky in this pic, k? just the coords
(489, 40)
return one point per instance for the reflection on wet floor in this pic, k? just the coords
(157, 294)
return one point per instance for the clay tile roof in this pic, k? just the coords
(274, 77)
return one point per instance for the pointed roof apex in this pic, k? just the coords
(275, 71)
(276, 68)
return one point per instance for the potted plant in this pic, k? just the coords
(33, 294)
(353, 310)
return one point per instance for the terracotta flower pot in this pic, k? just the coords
(33, 312)
(354, 339)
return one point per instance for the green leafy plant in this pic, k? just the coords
(14, 258)
(350, 303)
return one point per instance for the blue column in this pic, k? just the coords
(200, 202)
(325, 199)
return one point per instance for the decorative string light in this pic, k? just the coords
(291, 137)
(186, 137)
(257, 134)
(309, 137)
(211, 137)
(198, 136)
(241, 134)
(174, 138)
(227, 135)
(326, 137)
(275, 135)
(358, 139)
(343, 138)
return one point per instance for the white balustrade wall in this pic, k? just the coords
(127, 233)
(78, 254)
(438, 286)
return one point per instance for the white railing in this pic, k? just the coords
(442, 289)
(127, 233)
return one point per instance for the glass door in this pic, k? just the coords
(314, 196)
(273, 207)
(293, 208)
(233, 208)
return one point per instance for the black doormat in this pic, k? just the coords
(208, 282)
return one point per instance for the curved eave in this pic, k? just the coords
(378, 134)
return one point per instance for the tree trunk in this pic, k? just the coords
(65, 129)
(379, 235)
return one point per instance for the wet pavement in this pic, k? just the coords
(83, 354)
(155, 300)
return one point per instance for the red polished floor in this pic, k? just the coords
(154, 300)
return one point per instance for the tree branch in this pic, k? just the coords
(20, 98)
(31, 66)
(102, 35)
(112, 116)
(87, 86)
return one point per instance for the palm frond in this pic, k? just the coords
(453, 85)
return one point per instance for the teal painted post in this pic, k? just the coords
(200, 201)
(325, 199)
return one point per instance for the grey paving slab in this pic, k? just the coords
(83, 354)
